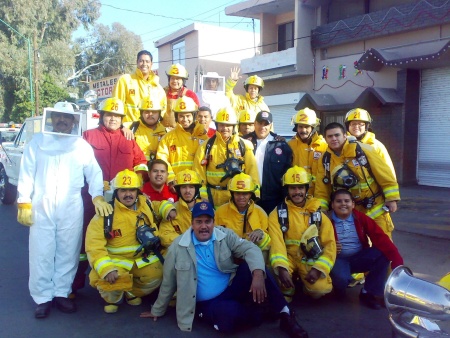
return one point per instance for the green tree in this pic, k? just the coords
(105, 52)
(52, 23)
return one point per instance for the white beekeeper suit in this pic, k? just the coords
(213, 98)
(51, 176)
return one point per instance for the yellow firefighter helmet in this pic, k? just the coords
(187, 177)
(126, 179)
(226, 115)
(358, 114)
(177, 70)
(247, 116)
(306, 116)
(296, 176)
(185, 104)
(112, 105)
(151, 103)
(254, 80)
(241, 183)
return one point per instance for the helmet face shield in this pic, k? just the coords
(212, 82)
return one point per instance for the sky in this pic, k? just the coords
(154, 19)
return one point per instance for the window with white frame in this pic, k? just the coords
(178, 52)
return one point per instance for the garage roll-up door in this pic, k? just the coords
(433, 164)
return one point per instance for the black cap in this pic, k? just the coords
(264, 116)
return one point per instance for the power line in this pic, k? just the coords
(163, 16)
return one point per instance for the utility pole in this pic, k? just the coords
(36, 74)
(36, 64)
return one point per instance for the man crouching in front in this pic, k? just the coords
(204, 256)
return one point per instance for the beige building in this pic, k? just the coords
(203, 48)
(388, 56)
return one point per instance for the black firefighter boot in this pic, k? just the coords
(288, 324)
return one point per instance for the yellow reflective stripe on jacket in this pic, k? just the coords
(122, 249)
(127, 264)
(204, 193)
(308, 261)
(375, 211)
(278, 260)
(164, 208)
(292, 242)
(182, 164)
(364, 185)
(323, 203)
(140, 167)
(325, 263)
(131, 106)
(140, 263)
(265, 241)
(391, 191)
(215, 173)
(102, 264)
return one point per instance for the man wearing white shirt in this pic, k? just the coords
(273, 158)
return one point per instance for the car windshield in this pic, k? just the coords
(8, 136)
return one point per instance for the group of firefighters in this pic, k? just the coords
(271, 192)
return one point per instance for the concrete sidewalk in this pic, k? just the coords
(424, 210)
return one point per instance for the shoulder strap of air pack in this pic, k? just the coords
(134, 127)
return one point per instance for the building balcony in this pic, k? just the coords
(398, 19)
(271, 63)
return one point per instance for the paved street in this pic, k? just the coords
(422, 235)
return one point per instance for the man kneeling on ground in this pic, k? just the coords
(352, 230)
(204, 256)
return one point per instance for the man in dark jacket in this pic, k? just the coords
(354, 253)
(273, 157)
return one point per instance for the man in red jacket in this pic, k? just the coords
(354, 253)
(114, 153)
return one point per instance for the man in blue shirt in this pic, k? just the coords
(200, 267)
(353, 229)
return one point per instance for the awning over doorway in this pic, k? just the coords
(370, 97)
(418, 56)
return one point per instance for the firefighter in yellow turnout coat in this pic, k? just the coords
(115, 256)
(187, 184)
(307, 145)
(242, 215)
(148, 131)
(178, 147)
(358, 121)
(222, 157)
(252, 100)
(131, 88)
(301, 244)
(366, 175)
